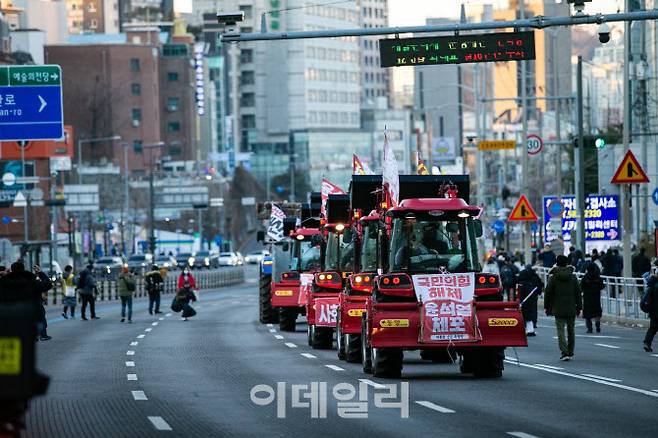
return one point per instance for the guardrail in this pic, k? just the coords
(107, 288)
(619, 297)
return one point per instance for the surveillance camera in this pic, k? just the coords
(230, 19)
(578, 5)
(604, 33)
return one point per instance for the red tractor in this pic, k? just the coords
(429, 294)
(337, 264)
(288, 293)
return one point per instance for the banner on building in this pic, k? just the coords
(447, 311)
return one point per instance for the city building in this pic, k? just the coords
(92, 16)
(375, 81)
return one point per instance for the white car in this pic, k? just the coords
(228, 259)
(256, 257)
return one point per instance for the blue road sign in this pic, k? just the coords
(31, 103)
(555, 208)
(6, 219)
(654, 196)
(498, 226)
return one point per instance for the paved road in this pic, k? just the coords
(161, 376)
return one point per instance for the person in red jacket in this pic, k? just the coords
(186, 280)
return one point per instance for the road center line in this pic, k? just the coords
(308, 355)
(155, 323)
(148, 329)
(548, 366)
(278, 336)
(435, 407)
(335, 367)
(160, 319)
(594, 376)
(607, 346)
(371, 383)
(168, 314)
(139, 395)
(159, 423)
(589, 379)
(140, 336)
(290, 345)
(270, 325)
(130, 353)
(272, 330)
(134, 343)
(131, 376)
(130, 363)
(522, 435)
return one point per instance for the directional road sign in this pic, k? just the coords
(523, 211)
(654, 196)
(630, 171)
(31, 103)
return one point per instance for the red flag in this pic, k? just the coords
(358, 167)
(329, 188)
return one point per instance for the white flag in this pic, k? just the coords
(275, 229)
(390, 176)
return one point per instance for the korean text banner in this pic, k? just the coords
(447, 311)
(601, 218)
(326, 310)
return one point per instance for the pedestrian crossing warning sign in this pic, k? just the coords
(630, 171)
(523, 211)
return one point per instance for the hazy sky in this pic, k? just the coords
(414, 12)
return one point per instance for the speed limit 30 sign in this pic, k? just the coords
(535, 144)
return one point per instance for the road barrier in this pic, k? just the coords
(619, 297)
(107, 288)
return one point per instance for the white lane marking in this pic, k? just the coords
(168, 314)
(589, 379)
(132, 344)
(131, 376)
(655, 390)
(139, 395)
(278, 336)
(595, 337)
(270, 325)
(148, 329)
(159, 423)
(594, 376)
(155, 323)
(371, 383)
(130, 353)
(522, 435)
(160, 319)
(335, 367)
(548, 366)
(308, 355)
(290, 345)
(607, 346)
(511, 359)
(655, 355)
(272, 330)
(435, 407)
(141, 336)
(130, 363)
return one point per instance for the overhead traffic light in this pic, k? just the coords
(592, 141)
(599, 143)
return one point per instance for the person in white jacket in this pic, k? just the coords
(491, 267)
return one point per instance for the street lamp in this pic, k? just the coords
(159, 144)
(91, 140)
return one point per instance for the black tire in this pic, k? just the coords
(441, 355)
(387, 362)
(268, 314)
(309, 335)
(287, 319)
(322, 338)
(352, 345)
(366, 352)
(340, 344)
(485, 363)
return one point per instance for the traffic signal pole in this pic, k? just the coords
(580, 161)
(626, 188)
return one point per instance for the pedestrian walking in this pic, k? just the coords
(86, 287)
(591, 284)
(649, 304)
(530, 287)
(562, 299)
(182, 300)
(154, 287)
(508, 273)
(69, 299)
(547, 257)
(640, 264)
(22, 285)
(126, 287)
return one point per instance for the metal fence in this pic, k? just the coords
(620, 296)
(107, 288)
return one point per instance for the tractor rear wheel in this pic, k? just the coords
(287, 319)
(484, 362)
(352, 346)
(387, 362)
(366, 351)
(322, 338)
(267, 313)
(340, 341)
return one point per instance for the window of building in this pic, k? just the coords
(248, 121)
(93, 24)
(248, 99)
(246, 56)
(173, 103)
(172, 76)
(136, 89)
(134, 64)
(173, 127)
(247, 78)
(137, 146)
(248, 11)
(323, 117)
(137, 116)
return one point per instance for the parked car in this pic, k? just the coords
(166, 261)
(228, 259)
(140, 262)
(185, 259)
(238, 254)
(205, 259)
(255, 257)
(108, 267)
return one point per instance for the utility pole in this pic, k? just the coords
(580, 161)
(151, 207)
(478, 131)
(626, 188)
(557, 108)
(527, 254)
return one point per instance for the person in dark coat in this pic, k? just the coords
(20, 285)
(182, 302)
(640, 264)
(547, 257)
(651, 298)
(154, 286)
(591, 285)
(530, 287)
(563, 300)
